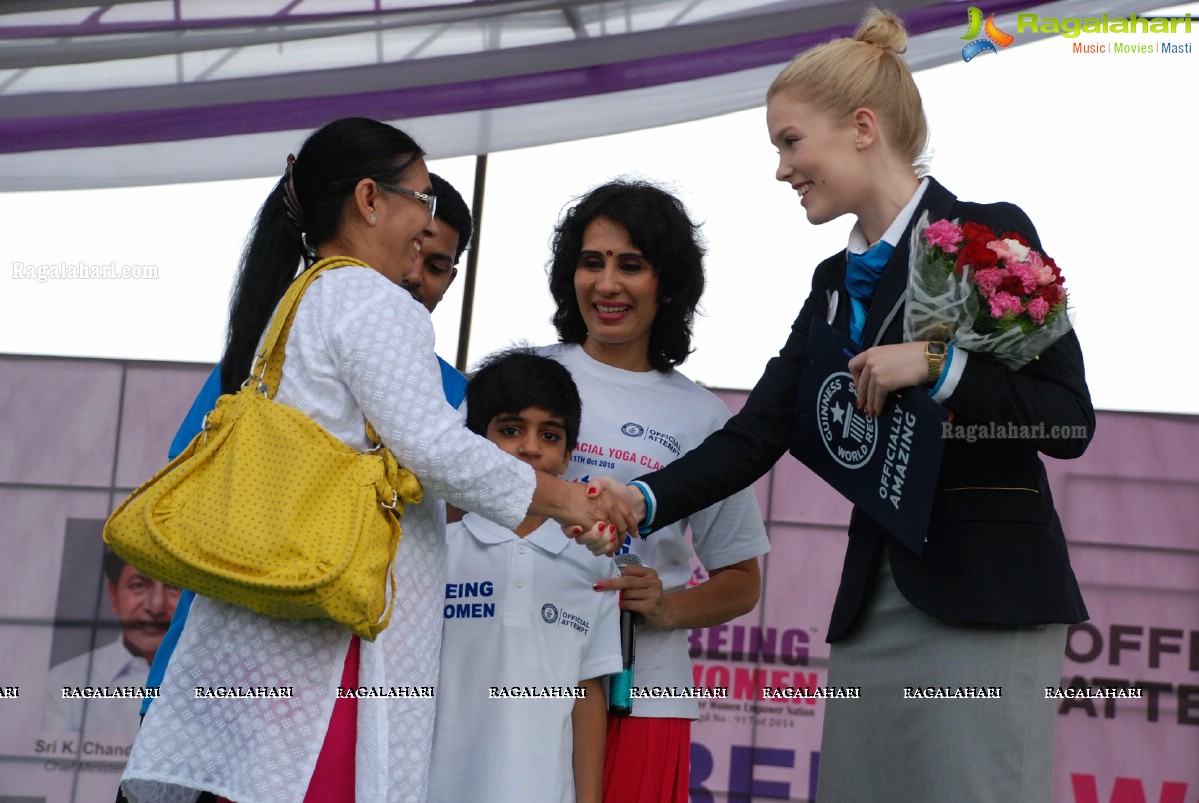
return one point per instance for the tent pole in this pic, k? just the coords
(472, 262)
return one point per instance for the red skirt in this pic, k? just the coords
(647, 760)
(333, 778)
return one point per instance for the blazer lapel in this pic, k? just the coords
(884, 321)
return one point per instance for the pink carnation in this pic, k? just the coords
(944, 235)
(1003, 303)
(1025, 274)
(988, 280)
(1037, 309)
(1042, 272)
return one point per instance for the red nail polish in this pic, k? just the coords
(612, 529)
(598, 586)
(576, 530)
(592, 491)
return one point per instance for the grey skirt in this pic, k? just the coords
(947, 712)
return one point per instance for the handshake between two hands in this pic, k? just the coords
(601, 513)
(610, 509)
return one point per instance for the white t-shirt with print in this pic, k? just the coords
(519, 614)
(635, 422)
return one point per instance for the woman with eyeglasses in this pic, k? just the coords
(360, 349)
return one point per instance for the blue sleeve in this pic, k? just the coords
(188, 430)
(163, 656)
(453, 383)
(194, 419)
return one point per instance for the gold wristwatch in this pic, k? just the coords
(934, 352)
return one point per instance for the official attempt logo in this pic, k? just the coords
(979, 45)
(633, 430)
(549, 613)
(848, 433)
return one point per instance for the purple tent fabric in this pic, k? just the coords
(84, 89)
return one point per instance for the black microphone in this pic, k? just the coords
(620, 687)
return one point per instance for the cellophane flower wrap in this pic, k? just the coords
(983, 292)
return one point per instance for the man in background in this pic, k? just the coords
(143, 607)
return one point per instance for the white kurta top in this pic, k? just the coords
(359, 346)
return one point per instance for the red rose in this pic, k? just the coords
(1012, 284)
(1052, 293)
(976, 232)
(1057, 272)
(975, 253)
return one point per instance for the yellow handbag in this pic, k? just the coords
(267, 510)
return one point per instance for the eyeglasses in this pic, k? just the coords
(430, 201)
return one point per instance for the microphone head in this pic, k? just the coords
(627, 559)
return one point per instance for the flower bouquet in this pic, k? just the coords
(983, 292)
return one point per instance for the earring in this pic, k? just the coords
(372, 217)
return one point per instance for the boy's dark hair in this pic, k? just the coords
(509, 381)
(452, 211)
(659, 226)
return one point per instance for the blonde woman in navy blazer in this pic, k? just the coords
(988, 602)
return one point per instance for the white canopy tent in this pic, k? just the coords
(135, 92)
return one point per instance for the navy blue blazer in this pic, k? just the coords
(995, 553)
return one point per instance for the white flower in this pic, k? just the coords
(1019, 250)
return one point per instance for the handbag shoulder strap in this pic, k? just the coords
(274, 345)
(269, 360)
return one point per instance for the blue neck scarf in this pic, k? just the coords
(862, 274)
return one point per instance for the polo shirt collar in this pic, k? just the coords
(548, 537)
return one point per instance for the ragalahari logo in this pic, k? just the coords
(994, 35)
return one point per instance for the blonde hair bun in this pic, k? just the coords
(884, 30)
(866, 71)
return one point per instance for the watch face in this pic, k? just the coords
(935, 348)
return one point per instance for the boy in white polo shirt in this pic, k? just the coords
(521, 712)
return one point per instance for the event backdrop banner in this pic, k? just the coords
(79, 434)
